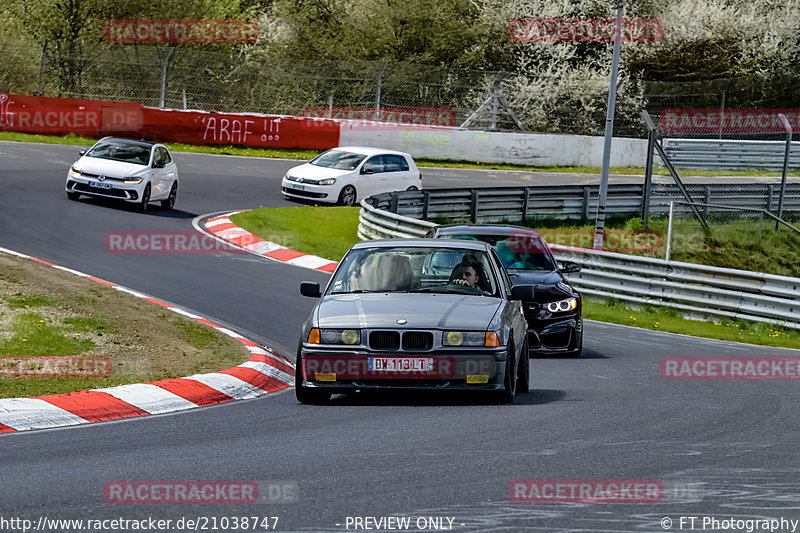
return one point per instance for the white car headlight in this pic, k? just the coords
(289, 178)
(564, 305)
(328, 181)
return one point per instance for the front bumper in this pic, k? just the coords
(308, 192)
(344, 371)
(555, 336)
(129, 192)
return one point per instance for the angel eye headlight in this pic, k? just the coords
(564, 305)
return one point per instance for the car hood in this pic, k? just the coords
(313, 172)
(424, 311)
(107, 167)
(548, 286)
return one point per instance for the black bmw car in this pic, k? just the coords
(555, 321)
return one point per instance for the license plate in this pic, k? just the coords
(298, 187)
(99, 185)
(400, 364)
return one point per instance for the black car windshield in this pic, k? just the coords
(121, 151)
(517, 251)
(415, 269)
(338, 159)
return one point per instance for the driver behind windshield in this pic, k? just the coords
(465, 274)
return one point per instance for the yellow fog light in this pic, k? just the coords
(325, 376)
(455, 338)
(349, 336)
(477, 378)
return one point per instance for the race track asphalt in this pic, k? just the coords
(720, 448)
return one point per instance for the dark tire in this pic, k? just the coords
(145, 199)
(73, 195)
(524, 374)
(303, 395)
(412, 188)
(169, 203)
(347, 196)
(510, 380)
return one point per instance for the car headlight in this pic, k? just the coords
(133, 179)
(337, 336)
(329, 181)
(470, 338)
(289, 178)
(564, 305)
(75, 172)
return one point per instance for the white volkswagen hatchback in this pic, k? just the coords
(134, 171)
(347, 174)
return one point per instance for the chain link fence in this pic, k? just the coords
(243, 79)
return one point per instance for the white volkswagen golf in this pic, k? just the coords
(134, 171)
(347, 174)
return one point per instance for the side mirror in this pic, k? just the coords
(310, 289)
(82, 152)
(569, 266)
(158, 165)
(522, 292)
(367, 171)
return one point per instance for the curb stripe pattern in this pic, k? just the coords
(222, 227)
(264, 373)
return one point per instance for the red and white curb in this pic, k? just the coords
(265, 372)
(222, 227)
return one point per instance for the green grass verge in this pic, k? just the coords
(423, 162)
(324, 231)
(330, 231)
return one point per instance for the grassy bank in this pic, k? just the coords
(47, 312)
(329, 232)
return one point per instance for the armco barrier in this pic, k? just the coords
(492, 204)
(692, 289)
(61, 116)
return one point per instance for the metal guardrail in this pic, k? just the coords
(574, 201)
(692, 289)
(717, 154)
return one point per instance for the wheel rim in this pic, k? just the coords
(349, 196)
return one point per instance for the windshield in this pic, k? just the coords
(517, 251)
(412, 269)
(119, 151)
(338, 159)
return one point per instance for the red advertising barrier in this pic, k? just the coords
(94, 118)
